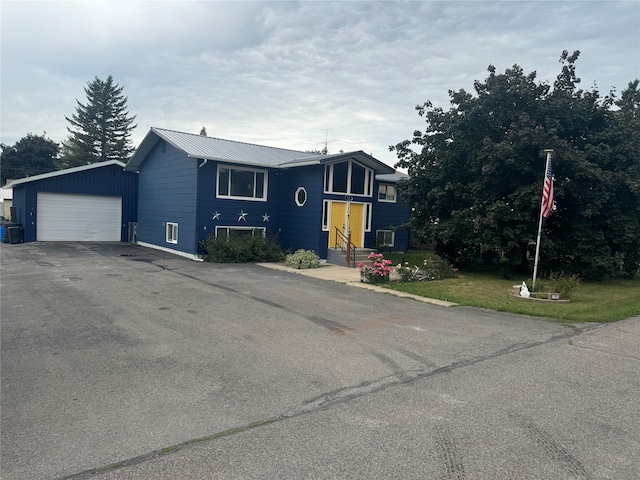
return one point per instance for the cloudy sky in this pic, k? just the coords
(292, 74)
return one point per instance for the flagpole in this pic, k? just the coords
(535, 264)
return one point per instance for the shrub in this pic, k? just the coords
(302, 259)
(563, 284)
(406, 273)
(437, 269)
(378, 272)
(242, 249)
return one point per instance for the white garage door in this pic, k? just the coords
(78, 218)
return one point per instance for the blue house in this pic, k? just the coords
(192, 186)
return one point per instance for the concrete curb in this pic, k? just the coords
(396, 293)
(351, 277)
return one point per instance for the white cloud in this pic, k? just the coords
(280, 73)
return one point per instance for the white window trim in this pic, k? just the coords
(301, 189)
(170, 228)
(393, 238)
(395, 193)
(368, 182)
(326, 215)
(367, 218)
(230, 228)
(368, 179)
(254, 170)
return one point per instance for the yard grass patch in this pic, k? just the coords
(605, 301)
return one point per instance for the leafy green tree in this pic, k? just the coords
(621, 221)
(31, 155)
(100, 129)
(476, 173)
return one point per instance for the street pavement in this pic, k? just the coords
(120, 362)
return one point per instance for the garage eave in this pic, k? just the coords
(66, 171)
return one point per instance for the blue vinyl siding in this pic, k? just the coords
(388, 216)
(167, 193)
(229, 210)
(301, 227)
(295, 227)
(110, 180)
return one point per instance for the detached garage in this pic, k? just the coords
(89, 203)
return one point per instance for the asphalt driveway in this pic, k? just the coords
(124, 362)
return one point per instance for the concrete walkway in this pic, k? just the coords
(351, 277)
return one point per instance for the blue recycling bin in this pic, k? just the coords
(5, 231)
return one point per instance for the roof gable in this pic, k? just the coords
(229, 151)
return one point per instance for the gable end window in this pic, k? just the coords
(349, 178)
(387, 193)
(241, 183)
(172, 232)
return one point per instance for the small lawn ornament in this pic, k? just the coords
(524, 291)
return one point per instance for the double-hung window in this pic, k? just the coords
(241, 183)
(385, 238)
(387, 193)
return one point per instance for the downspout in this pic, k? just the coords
(197, 210)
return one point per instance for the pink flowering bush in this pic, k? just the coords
(378, 272)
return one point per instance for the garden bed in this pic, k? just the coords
(540, 296)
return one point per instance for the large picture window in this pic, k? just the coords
(225, 232)
(349, 178)
(242, 183)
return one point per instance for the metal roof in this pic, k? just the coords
(211, 148)
(66, 171)
(392, 177)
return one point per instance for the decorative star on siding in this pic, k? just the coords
(265, 217)
(242, 216)
(216, 216)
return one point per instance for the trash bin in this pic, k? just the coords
(15, 234)
(5, 231)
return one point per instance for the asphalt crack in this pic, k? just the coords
(347, 394)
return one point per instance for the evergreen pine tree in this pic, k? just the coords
(100, 129)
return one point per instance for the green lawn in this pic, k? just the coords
(606, 301)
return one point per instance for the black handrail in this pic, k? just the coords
(345, 245)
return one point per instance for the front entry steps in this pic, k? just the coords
(337, 256)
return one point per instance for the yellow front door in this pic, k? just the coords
(338, 220)
(347, 217)
(356, 224)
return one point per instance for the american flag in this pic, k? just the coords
(547, 192)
